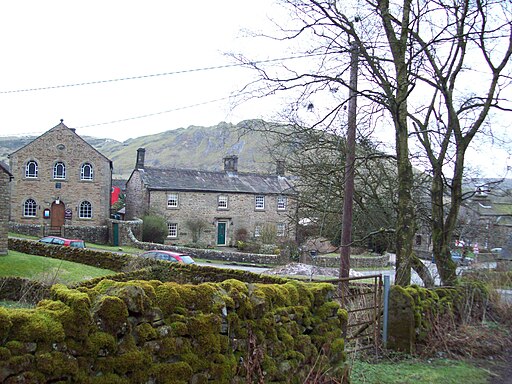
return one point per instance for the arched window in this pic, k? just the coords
(29, 208)
(31, 169)
(59, 170)
(85, 211)
(86, 172)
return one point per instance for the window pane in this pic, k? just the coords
(59, 171)
(260, 202)
(86, 172)
(173, 229)
(172, 200)
(222, 202)
(281, 227)
(31, 169)
(281, 202)
(29, 208)
(85, 211)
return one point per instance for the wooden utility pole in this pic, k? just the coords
(348, 196)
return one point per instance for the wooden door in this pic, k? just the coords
(57, 215)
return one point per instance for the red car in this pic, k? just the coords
(75, 243)
(173, 257)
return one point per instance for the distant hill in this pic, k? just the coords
(193, 147)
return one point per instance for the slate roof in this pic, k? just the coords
(5, 167)
(207, 181)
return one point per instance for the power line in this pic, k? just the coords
(154, 114)
(160, 74)
(238, 94)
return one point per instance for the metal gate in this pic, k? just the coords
(364, 307)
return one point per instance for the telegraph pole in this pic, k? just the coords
(348, 196)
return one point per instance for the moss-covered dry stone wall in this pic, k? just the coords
(414, 311)
(154, 332)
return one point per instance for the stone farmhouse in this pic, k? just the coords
(61, 186)
(5, 179)
(212, 208)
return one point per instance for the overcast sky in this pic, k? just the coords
(170, 54)
(48, 44)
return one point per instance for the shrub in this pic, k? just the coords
(241, 235)
(268, 234)
(196, 226)
(154, 229)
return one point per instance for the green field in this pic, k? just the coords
(47, 269)
(418, 372)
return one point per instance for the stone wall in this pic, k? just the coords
(127, 231)
(415, 311)
(377, 261)
(153, 332)
(213, 254)
(5, 178)
(92, 234)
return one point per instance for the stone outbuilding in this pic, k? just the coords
(213, 208)
(5, 179)
(62, 186)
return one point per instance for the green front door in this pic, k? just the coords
(115, 234)
(221, 233)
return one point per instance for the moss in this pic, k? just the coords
(198, 362)
(173, 347)
(35, 326)
(5, 323)
(109, 378)
(222, 368)
(328, 309)
(5, 354)
(75, 314)
(321, 293)
(110, 314)
(57, 365)
(167, 297)
(101, 344)
(179, 328)
(168, 373)
(145, 332)
(131, 363)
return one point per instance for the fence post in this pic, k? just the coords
(385, 311)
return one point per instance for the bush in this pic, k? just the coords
(268, 234)
(154, 229)
(196, 226)
(241, 235)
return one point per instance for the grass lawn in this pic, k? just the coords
(47, 269)
(418, 372)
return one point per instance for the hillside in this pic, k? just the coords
(193, 147)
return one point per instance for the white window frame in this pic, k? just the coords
(172, 200)
(259, 202)
(83, 175)
(29, 175)
(85, 210)
(257, 230)
(59, 175)
(222, 202)
(172, 230)
(280, 229)
(281, 203)
(29, 208)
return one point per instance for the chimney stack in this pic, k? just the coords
(280, 168)
(141, 153)
(231, 163)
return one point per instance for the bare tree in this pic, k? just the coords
(415, 56)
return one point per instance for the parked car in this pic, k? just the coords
(458, 259)
(55, 240)
(461, 260)
(173, 257)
